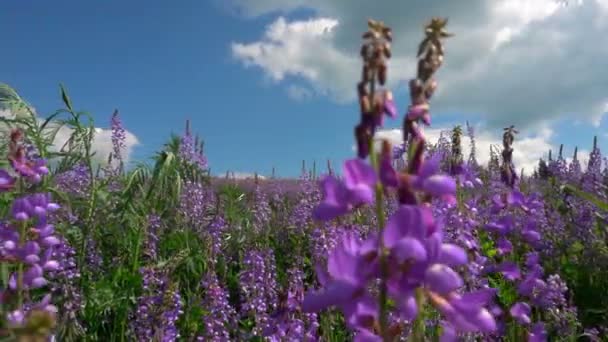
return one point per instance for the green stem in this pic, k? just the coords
(92, 204)
(383, 296)
(419, 327)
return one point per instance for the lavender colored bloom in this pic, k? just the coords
(151, 239)
(33, 250)
(521, 312)
(261, 210)
(75, 181)
(172, 310)
(344, 282)
(157, 309)
(31, 170)
(220, 314)
(429, 181)
(341, 197)
(537, 333)
(510, 270)
(189, 152)
(119, 137)
(7, 182)
(259, 289)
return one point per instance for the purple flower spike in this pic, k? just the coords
(6, 181)
(442, 279)
(429, 181)
(16, 317)
(390, 108)
(440, 186)
(408, 249)
(341, 197)
(407, 221)
(388, 175)
(366, 336)
(360, 179)
(345, 268)
(452, 255)
(21, 209)
(504, 246)
(416, 112)
(466, 313)
(335, 200)
(537, 333)
(521, 312)
(448, 334)
(510, 270)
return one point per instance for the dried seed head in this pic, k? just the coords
(365, 104)
(436, 28)
(362, 89)
(368, 73)
(417, 92)
(430, 89)
(388, 34)
(386, 49)
(386, 148)
(364, 51)
(367, 35)
(378, 105)
(16, 135)
(382, 73)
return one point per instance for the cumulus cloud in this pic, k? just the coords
(101, 144)
(298, 93)
(521, 62)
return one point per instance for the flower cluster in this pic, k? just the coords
(27, 244)
(408, 256)
(158, 308)
(119, 137)
(508, 174)
(375, 52)
(191, 150)
(31, 169)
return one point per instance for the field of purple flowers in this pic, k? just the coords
(404, 243)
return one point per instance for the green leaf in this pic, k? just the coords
(66, 98)
(585, 195)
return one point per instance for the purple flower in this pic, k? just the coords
(341, 197)
(388, 107)
(521, 312)
(6, 181)
(510, 270)
(348, 267)
(466, 312)
(430, 182)
(220, 314)
(537, 333)
(32, 170)
(119, 137)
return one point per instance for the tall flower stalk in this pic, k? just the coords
(407, 256)
(27, 242)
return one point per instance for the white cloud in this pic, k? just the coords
(102, 140)
(298, 93)
(521, 62)
(303, 49)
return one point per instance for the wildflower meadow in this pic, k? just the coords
(401, 242)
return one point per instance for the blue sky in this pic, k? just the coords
(162, 62)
